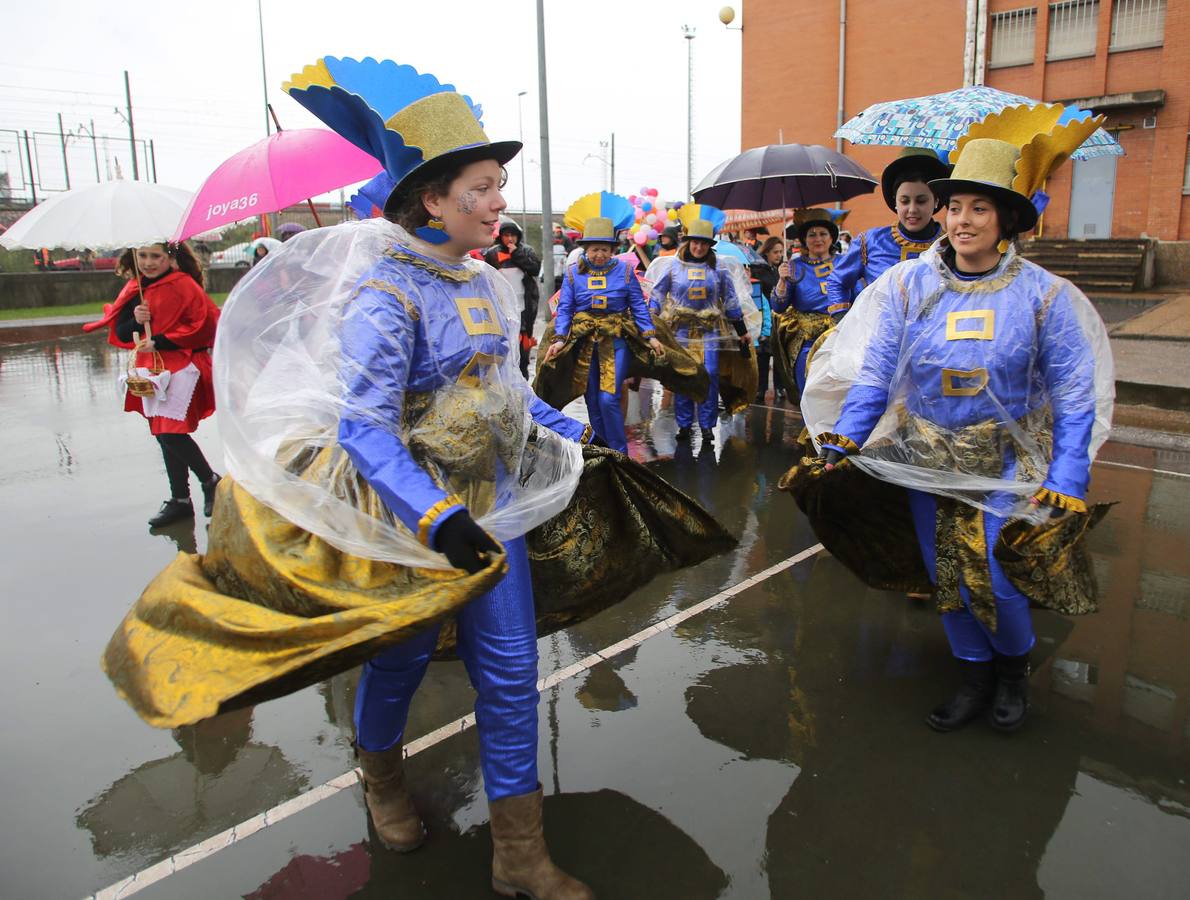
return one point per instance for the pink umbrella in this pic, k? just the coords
(283, 169)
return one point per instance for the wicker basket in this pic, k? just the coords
(138, 385)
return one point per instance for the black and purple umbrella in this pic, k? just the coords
(783, 176)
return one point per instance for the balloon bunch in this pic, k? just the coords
(651, 215)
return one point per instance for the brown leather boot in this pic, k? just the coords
(521, 864)
(393, 813)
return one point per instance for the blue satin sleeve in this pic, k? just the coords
(782, 301)
(840, 284)
(660, 290)
(565, 305)
(1067, 365)
(545, 415)
(731, 303)
(868, 398)
(636, 302)
(377, 345)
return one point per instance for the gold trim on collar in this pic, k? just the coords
(461, 274)
(907, 246)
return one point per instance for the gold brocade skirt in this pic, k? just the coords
(792, 330)
(564, 378)
(866, 523)
(271, 608)
(738, 375)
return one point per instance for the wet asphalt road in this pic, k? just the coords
(771, 746)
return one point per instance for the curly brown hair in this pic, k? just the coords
(180, 253)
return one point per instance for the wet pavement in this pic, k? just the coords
(771, 744)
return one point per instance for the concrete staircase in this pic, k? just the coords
(1111, 265)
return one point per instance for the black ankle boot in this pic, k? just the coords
(208, 494)
(969, 702)
(1011, 702)
(684, 433)
(708, 436)
(172, 510)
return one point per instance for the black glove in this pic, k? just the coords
(741, 328)
(464, 543)
(833, 457)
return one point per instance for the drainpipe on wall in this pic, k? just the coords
(981, 42)
(969, 45)
(842, 69)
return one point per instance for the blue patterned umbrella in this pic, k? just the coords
(938, 121)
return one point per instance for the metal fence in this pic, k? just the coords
(1073, 29)
(42, 163)
(1013, 33)
(1137, 23)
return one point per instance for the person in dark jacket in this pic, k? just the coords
(511, 255)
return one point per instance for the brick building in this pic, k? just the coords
(1127, 59)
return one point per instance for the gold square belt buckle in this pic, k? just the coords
(984, 321)
(478, 315)
(599, 301)
(824, 269)
(597, 282)
(822, 287)
(476, 368)
(697, 293)
(696, 275)
(950, 377)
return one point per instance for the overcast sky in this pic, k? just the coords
(197, 90)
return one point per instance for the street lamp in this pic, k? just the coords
(520, 118)
(603, 159)
(688, 33)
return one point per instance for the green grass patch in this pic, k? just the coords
(77, 309)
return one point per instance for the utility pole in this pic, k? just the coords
(32, 176)
(131, 128)
(688, 33)
(264, 75)
(603, 153)
(521, 130)
(613, 187)
(547, 207)
(153, 158)
(65, 161)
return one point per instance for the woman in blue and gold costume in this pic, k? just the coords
(395, 488)
(697, 296)
(802, 310)
(905, 183)
(975, 387)
(603, 332)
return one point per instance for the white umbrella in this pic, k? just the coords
(106, 216)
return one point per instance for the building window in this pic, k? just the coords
(1186, 177)
(1137, 23)
(1074, 27)
(1012, 37)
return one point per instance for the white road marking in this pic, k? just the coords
(204, 849)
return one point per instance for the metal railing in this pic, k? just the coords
(1013, 33)
(1136, 24)
(1073, 29)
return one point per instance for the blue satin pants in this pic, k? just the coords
(799, 366)
(969, 638)
(708, 410)
(497, 642)
(603, 409)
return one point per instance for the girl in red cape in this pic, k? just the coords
(180, 319)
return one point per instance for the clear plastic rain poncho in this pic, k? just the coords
(290, 367)
(735, 273)
(967, 387)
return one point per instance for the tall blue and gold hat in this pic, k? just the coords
(701, 221)
(415, 125)
(599, 216)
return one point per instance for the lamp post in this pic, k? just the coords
(547, 208)
(520, 118)
(688, 33)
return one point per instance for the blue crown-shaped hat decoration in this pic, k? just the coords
(406, 119)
